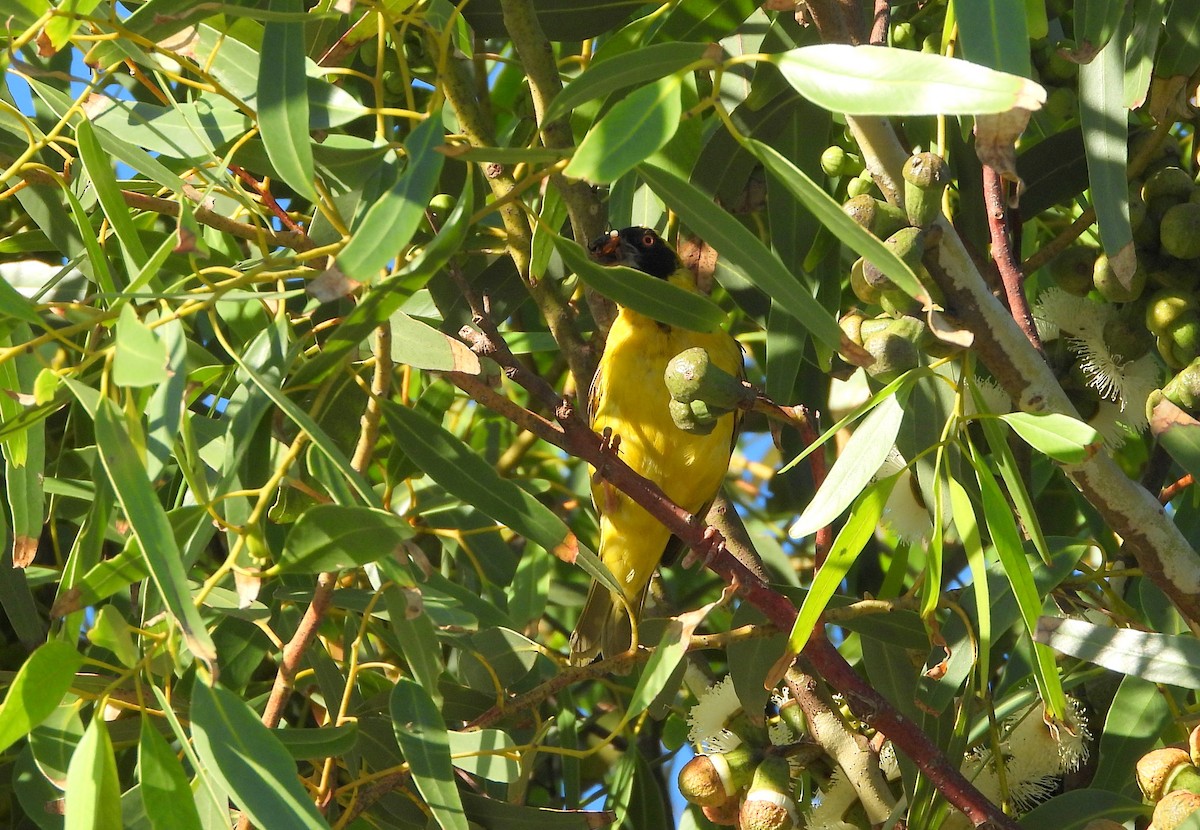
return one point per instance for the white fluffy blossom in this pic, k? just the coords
(709, 718)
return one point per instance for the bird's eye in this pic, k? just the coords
(649, 239)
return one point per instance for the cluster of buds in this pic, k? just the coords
(743, 788)
(1170, 780)
(898, 335)
(701, 392)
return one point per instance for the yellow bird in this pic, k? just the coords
(629, 396)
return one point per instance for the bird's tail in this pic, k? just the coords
(603, 628)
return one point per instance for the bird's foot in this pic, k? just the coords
(610, 447)
(711, 545)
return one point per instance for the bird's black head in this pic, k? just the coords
(635, 247)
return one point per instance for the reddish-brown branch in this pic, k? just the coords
(267, 199)
(576, 437)
(1004, 256)
(879, 25)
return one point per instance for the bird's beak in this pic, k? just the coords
(607, 249)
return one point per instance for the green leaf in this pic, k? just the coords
(1096, 21)
(112, 631)
(40, 684)
(994, 34)
(1105, 142)
(93, 798)
(465, 473)
(743, 253)
(670, 651)
(63, 25)
(489, 753)
(1006, 538)
(422, 346)
(875, 80)
(850, 541)
(1136, 717)
(99, 170)
(149, 522)
(141, 358)
(249, 761)
(656, 298)
(185, 130)
(1061, 437)
(421, 733)
(1159, 658)
(330, 537)
(166, 794)
(968, 531)
(389, 224)
(1076, 809)
(831, 215)
(625, 70)
(325, 742)
(860, 460)
(283, 100)
(629, 133)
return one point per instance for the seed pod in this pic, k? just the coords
(1166, 306)
(925, 180)
(894, 355)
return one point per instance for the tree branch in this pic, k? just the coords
(1003, 255)
(578, 439)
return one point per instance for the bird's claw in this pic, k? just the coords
(711, 545)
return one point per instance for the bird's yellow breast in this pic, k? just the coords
(630, 397)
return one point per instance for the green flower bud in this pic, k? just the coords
(1072, 269)
(1183, 390)
(864, 290)
(878, 217)
(904, 36)
(692, 376)
(1110, 288)
(837, 162)
(860, 185)
(925, 178)
(1179, 231)
(894, 355)
(1166, 306)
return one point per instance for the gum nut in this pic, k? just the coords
(1179, 231)
(1155, 767)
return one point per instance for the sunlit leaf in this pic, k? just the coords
(283, 100)
(330, 537)
(35, 692)
(858, 463)
(1159, 658)
(629, 133)
(421, 733)
(1061, 437)
(875, 80)
(248, 760)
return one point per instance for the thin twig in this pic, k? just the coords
(1004, 256)
(1172, 490)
